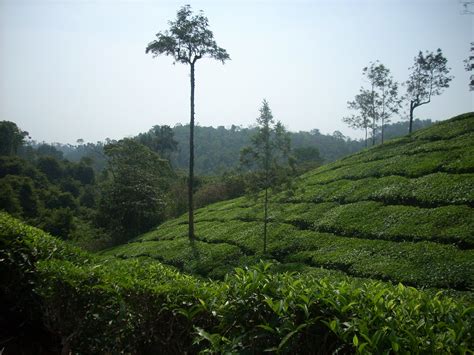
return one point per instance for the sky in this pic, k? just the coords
(78, 70)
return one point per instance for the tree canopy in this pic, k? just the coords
(11, 137)
(188, 39)
(132, 198)
(429, 77)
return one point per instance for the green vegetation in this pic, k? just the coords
(90, 304)
(218, 149)
(268, 160)
(399, 212)
(381, 243)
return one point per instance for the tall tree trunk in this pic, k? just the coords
(265, 222)
(191, 161)
(412, 108)
(373, 131)
(366, 142)
(382, 127)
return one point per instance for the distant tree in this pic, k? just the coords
(22, 193)
(11, 138)
(269, 158)
(132, 198)
(469, 66)
(82, 173)
(160, 139)
(362, 104)
(51, 167)
(48, 150)
(188, 40)
(307, 158)
(59, 222)
(428, 77)
(383, 92)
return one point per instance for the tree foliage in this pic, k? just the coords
(377, 103)
(48, 192)
(469, 66)
(361, 104)
(11, 137)
(383, 94)
(429, 77)
(160, 139)
(132, 198)
(307, 158)
(188, 39)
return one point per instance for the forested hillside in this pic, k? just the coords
(218, 149)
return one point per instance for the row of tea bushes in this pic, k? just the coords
(431, 190)
(105, 305)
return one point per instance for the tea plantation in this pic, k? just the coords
(399, 212)
(370, 254)
(59, 299)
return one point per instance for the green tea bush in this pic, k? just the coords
(300, 315)
(448, 224)
(453, 137)
(431, 190)
(198, 257)
(108, 305)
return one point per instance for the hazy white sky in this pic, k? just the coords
(78, 69)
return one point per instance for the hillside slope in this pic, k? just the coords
(399, 212)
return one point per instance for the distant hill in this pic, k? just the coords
(218, 149)
(398, 212)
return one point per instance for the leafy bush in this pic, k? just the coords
(105, 305)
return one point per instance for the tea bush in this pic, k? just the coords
(97, 304)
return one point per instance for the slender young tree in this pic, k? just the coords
(384, 96)
(429, 77)
(268, 158)
(469, 66)
(361, 103)
(188, 40)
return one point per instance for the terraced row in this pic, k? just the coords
(433, 190)
(446, 135)
(366, 220)
(455, 161)
(227, 244)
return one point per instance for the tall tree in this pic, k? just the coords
(188, 40)
(132, 197)
(469, 66)
(268, 158)
(429, 77)
(383, 94)
(11, 138)
(361, 103)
